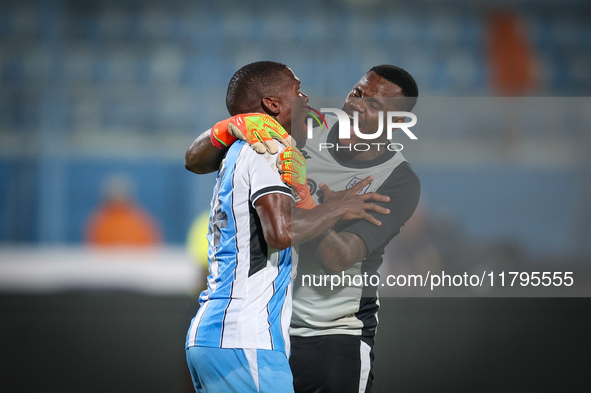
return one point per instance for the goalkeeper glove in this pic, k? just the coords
(292, 166)
(257, 129)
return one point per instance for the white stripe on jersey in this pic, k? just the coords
(364, 354)
(253, 364)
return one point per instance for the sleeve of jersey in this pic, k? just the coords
(264, 176)
(404, 189)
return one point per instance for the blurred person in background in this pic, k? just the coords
(197, 245)
(332, 332)
(119, 220)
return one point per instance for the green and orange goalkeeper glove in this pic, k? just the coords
(256, 129)
(292, 166)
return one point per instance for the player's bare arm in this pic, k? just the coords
(285, 226)
(309, 224)
(257, 129)
(339, 251)
(202, 156)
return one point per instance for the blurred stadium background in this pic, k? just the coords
(93, 89)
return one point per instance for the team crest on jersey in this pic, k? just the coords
(356, 180)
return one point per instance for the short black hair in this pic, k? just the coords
(251, 83)
(400, 78)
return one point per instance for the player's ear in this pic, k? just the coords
(271, 105)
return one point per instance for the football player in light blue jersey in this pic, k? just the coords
(238, 341)
(333, 331)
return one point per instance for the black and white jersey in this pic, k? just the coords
(318, 310)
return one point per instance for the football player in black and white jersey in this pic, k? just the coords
(333, 331)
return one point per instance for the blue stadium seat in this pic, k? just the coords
(5, 25)
(13, 71)
(142, 71)
(100, 69)
(87, 28)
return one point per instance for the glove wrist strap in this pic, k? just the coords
(306, 203)
(220, 137)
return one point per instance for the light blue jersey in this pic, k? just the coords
(248, 300)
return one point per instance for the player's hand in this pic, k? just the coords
(357, 206)
(257, 129)
(292, 166)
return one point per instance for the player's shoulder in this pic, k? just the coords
(248, 153)
(251, 161)
(402, 175)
